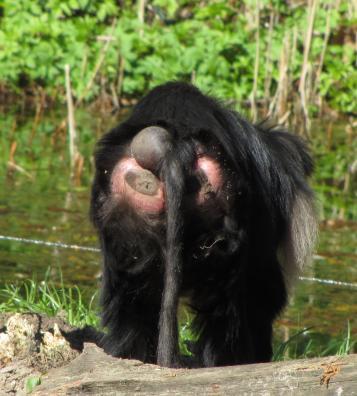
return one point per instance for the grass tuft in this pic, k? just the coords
(47, 298)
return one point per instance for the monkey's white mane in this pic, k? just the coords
(296, 250)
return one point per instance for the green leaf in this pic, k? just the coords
(31, 383)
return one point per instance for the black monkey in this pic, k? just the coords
(190, 199)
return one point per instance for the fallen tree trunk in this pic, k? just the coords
(95, 373)
(49, 357)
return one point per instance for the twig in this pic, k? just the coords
(256, 63)
(71, 121)
(38, 114)
(294, 48)
(141, 16)
(269, 63)
(277, 107)
(330, 6)
(120, 79)
(11, 165)
(304, 69)
(115, 98)
(13, 148)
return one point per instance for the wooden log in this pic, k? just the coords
(95, 373)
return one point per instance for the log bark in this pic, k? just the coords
(95, 373)
(49, 357)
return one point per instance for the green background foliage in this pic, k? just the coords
(210, 42)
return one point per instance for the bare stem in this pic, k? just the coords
(256, 63)
(141, 15)
(70, 116)
(305, 65)
(269, 63)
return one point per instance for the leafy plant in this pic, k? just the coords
(211, 43)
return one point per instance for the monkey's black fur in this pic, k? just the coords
(233, 258)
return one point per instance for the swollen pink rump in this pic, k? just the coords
(211, 170)
(145, 192)
(137, 186)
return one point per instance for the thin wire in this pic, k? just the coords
(330, 282)
(50, 244)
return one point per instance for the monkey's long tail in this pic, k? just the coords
(167, 350)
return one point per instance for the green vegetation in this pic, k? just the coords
(122, 50)
(307, 344)
(46, 298)
(31, 383)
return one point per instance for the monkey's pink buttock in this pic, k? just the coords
(138, 186)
